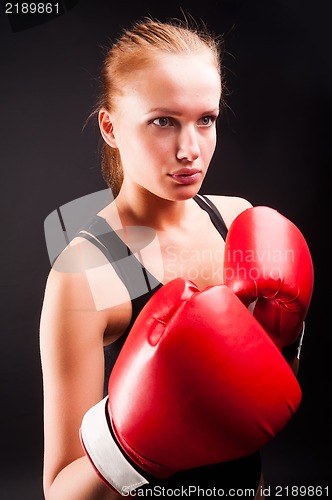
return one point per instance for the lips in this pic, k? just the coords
(186, 175)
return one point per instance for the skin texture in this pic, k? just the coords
(164, 121)
(166, 131)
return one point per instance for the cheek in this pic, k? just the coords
(208, 145)
(156, 146)
(141, 149)
(130, 144)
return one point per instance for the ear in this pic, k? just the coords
(106, 127)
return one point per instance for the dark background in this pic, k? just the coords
(274, 142)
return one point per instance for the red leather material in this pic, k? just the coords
(198, 381)
(268, 259)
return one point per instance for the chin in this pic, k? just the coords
(177, 193)
(186, 192)
(180, 195)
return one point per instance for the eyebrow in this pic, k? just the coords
(172, 112)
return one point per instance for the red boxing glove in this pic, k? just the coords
(198, 381)
(267, 259)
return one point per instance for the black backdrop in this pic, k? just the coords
(274, 140)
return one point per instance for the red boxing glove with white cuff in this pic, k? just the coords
(267, 261)
(198, 381)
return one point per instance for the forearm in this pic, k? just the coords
(78, 481)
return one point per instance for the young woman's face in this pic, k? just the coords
(165, 125)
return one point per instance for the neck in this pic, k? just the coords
(140, 207)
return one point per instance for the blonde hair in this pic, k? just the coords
(135, 49)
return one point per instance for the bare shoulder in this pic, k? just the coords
(229, 206)
(82, 279)
(68, 296)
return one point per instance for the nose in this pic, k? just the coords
(188, 147)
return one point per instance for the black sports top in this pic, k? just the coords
(241, 473)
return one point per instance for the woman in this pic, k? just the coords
(162, 93)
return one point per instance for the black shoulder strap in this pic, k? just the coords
(215, 216)
(129, 269)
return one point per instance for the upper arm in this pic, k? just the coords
(72, 364)
(71, 343)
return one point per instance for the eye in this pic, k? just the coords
(206, 121)
(162, 121)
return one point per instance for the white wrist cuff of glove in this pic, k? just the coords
(299, 347)
(104, 452)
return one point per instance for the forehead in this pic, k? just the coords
(178, 78)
